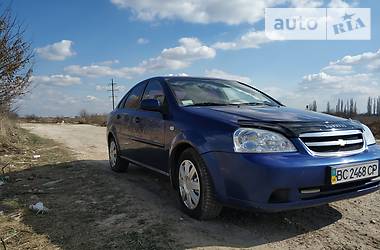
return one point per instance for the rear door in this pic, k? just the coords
(150, 130)
(127, 119)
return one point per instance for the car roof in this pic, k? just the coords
(167, 78)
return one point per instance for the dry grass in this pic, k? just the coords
(372, 122)
(92, 119)
(83, 202)
(9, 136)
(18, 149)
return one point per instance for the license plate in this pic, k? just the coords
(347, 173)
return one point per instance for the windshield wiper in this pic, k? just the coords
(207, 104)
(230, 104)
(255, 104)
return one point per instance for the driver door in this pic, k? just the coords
(150, 130)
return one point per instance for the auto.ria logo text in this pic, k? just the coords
(318, 23)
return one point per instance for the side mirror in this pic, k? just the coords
(151, 105)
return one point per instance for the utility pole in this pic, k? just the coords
(113, 90)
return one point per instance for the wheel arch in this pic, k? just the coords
(175, 153)
(111, 135)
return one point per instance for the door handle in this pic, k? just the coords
(136, 119)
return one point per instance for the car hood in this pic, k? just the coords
(289, 120)
(265, 114)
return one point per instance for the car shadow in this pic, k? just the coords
(92, 207)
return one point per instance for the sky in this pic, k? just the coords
(80, 46)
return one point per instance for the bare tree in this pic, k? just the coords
(83, 114)
(369, 106)
(328, 108)
(338, 106)
(313, 106)
(374, 106)
(351, 109)
(16, 58)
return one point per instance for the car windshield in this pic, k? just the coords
(214, 92)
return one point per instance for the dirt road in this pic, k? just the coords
(106, 206)
(87, 141)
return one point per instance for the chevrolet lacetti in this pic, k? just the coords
(225, 143)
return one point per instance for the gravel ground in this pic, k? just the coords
(350, 224)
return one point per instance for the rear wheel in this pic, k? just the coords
(117, 163)
(195, 190)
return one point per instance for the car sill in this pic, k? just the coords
(146, 166)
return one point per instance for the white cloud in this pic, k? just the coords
(50, 101)
(101, 88)
(109, 62)
(361, 58)
(361, 62)
(342, 4)
(179, 74)
(285, 95)
(91, 98)
(201, 11)
(347, 84)
(374, 65)
(189, 50)
(58, 51)
(107, 87)
(352, 76)
(252, 39)
(142, 40)
(216, 73)
(338, 69)
(57, 80)
(102, 71)
(305, 3)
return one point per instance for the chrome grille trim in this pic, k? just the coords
(333, 143)
(310, 140)
(331, 133)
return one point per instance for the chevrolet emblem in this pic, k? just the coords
(342, 142)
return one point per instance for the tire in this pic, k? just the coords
(206, 206)
(117, 163)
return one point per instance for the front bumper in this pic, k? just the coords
(277, 182)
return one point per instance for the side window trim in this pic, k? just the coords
(142, 94)
(122, 102)
(153, 80)
(142, 84)
(161, 83)
(146, 86)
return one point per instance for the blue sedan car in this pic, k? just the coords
(225, 143)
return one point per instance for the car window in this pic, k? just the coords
(133, 99)
(189, 92)
(154, 91)
(121, 103)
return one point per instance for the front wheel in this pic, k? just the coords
(195, 189)
(117, 163)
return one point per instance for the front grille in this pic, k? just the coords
(333, 143)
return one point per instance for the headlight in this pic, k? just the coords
(368, 136)
(250, 140)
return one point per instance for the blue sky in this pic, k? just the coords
(80, 46)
